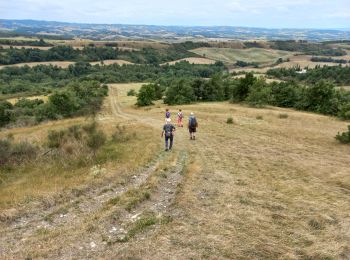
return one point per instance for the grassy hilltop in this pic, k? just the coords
(83, 173)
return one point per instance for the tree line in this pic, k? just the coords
(307, 48)
(93, 53)
(43, 79)
(340, 75)
(77, 98)
(40, 43)
(321, 97)
(329, 59)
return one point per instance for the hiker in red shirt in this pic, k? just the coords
(179, 118)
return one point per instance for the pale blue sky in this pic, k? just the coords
(251, 13)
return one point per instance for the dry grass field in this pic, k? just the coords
(124, 45)
(62, 64)
(110, 62)
(265, 187)
(298, 60)
(263, 76)
(230, 56)
(37, 181)
(42, 97)
(25, 47)
(193, 60)
(345, 87)
(65, 64)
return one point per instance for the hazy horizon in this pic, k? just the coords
(298, 14)
(178, 25)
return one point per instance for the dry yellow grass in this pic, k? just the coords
(192, 60)
(261, 188)
(45, 180)
(346, 87)
(61, 64)
(142, 44)
(127, 49)
(110, 62)
(41, 97)
(65, 64)
(270, 188)
(20, 38)
(227, 44)
(268, 80)
(126, 45)
(25, 47)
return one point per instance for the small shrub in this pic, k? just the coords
(344, 112)
(16, 152)
(75, 131)
(131, 92)
(96, 140)
(55, 138)
(259, 117)
(283, 116)
(229, 120)
(316, 224)
(23, 151)
(344, 137)
(90, 128)
(5, 150)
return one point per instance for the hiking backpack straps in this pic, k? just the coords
(193, 122)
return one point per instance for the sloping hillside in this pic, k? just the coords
(274, 184)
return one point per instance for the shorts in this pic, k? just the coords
(192, 129)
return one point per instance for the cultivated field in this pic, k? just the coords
(193, 60)
(110, 62)
(265, 187)
(299, 60)
(230, 56)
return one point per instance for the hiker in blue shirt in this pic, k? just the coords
(168, 132)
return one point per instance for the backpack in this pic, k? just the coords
(193, 122)
(167, 114)
(180, 115)
(168, 129)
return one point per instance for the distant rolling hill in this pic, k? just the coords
(170, 33)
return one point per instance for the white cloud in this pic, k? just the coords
(282, 13)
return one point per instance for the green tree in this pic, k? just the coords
(241, 90)
(259, 93)
(64, 103)
(179, 92)
(5, 115)
(146, 95)
(320, 98)
(284, 94)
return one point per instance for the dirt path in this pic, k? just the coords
(71, 213)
